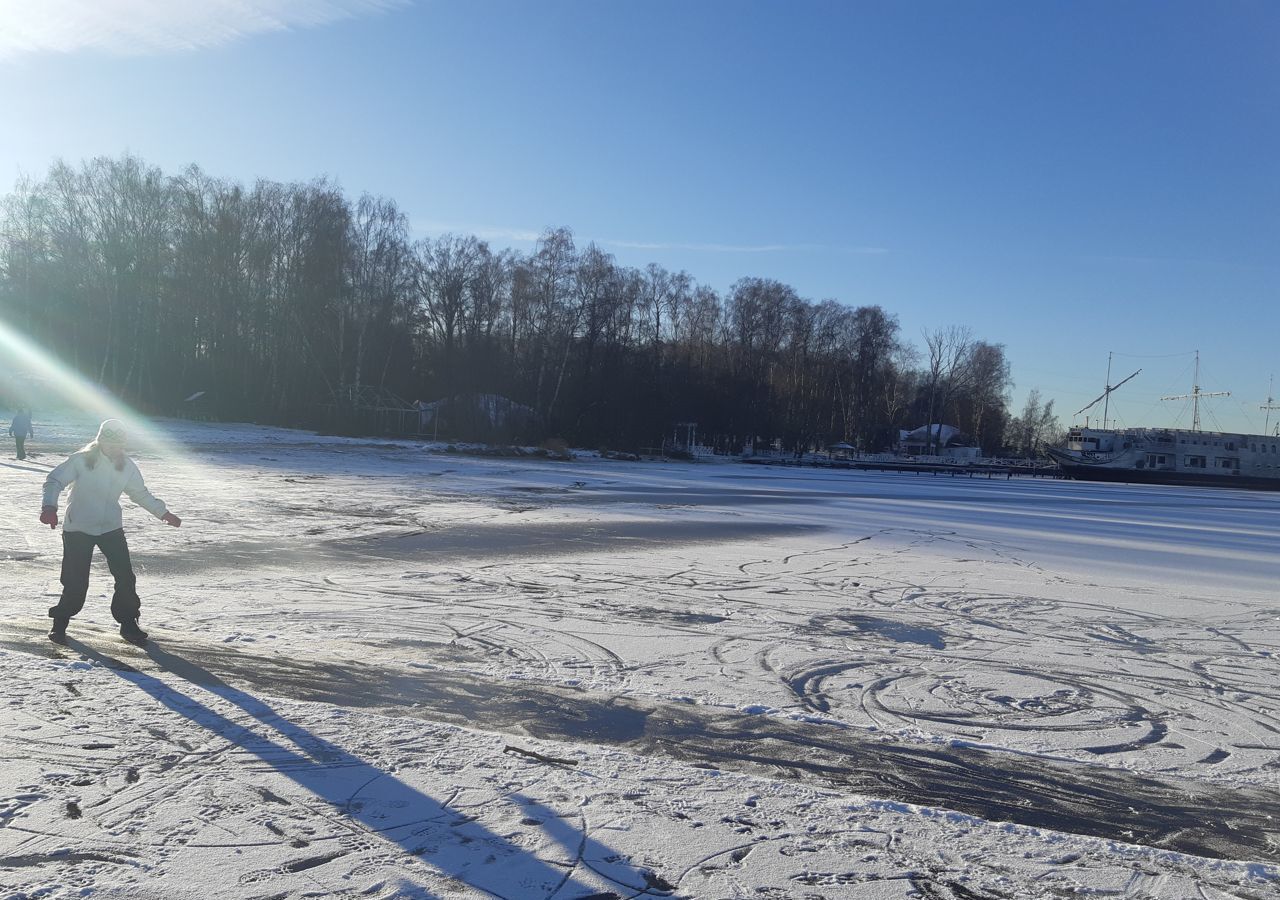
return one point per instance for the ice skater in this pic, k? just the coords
(20, 428)
(98, 474)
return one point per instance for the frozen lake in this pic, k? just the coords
(740, 681)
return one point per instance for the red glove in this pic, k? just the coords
(170, 519)
(49, 516)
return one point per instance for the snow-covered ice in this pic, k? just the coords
(380, 670)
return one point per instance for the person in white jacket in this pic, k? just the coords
(97, 475)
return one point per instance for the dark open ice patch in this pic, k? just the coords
(466, 541)
(488, 541)
(857, 625)
(672, 616)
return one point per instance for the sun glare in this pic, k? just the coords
(34, 378)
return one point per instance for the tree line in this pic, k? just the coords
(278, 299)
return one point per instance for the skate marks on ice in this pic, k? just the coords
(217, 820)
(212, 802)
(1137, 679)
(1143, 677)
(1166, 812)
(331, 809)
(1163, 691)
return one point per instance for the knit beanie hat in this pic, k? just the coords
(112, 432)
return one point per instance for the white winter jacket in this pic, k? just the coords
(94, 507)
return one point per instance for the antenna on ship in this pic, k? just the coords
(1269, 406)
(1106, 395)
(1195, 396)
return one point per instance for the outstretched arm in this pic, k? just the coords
(138, 493)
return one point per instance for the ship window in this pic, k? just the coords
(1194, 462)
(1228, 462)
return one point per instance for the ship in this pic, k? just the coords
(1172, 455)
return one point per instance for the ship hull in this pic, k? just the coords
(1171, 456)
(1132, 475)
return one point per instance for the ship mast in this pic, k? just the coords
(1106, 403)
(1195, 396)
(1106, 395)
(1270, 405)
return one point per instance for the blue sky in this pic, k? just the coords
(1067, 179)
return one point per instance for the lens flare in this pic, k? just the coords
(34, 377)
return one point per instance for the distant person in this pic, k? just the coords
(98, 474)
(20, 428)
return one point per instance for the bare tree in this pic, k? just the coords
(490, 293)
(595, 284)
(446, 275)
(1034, 428)
(950, 370)
(874, 400)
(556, 308)
(986, 399)
(381, 275)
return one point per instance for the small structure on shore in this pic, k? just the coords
(363, 409)
(683, 443)
(945, 441)
(479, 417)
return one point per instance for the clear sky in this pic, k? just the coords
(1065, 178)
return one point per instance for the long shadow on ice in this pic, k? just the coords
(586, 851)
(383, 805)
(1161, 811)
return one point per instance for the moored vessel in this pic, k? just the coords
(1171, 455)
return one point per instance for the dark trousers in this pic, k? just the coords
(22, 454)
(77, 554)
